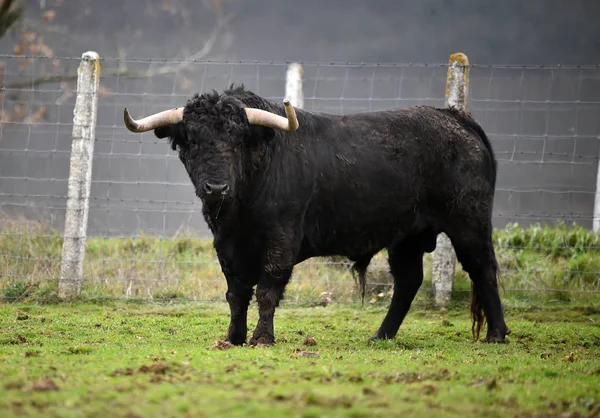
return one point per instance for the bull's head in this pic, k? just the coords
(214, 135)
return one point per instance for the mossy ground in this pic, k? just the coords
(160, 360)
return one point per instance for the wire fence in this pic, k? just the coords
(146, 234)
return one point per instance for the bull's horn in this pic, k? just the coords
(271, 120)
(164, 118)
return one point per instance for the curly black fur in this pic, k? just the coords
(340, 185)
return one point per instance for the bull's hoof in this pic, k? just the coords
(262, 341)
(497, 336)
(236, 337)
(381, 336)
(237, 340)
(495, 340)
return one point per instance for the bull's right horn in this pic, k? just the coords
(271, 120)
(164, 118)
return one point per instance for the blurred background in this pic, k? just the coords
(357, 56)
(534, 87)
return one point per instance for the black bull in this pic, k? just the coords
(336, 185)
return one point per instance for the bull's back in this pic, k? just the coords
(391, 173)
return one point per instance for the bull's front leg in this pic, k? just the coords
(242, 273)
(280, 259)
(269, 293)
(238, 296)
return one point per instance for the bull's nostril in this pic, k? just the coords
(216, 188)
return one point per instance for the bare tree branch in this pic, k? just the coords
(124, 72)
(9, 15)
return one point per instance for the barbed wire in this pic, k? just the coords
(151, 60)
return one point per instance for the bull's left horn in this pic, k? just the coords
(271, 120)
(164, 118)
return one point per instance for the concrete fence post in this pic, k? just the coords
(80, 176)
(596, 219)
(293, 85)
(444, 258)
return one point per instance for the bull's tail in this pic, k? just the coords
(467, 120)
(477, 313)
(359, 270)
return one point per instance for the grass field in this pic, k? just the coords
(112, 354)
(161, 360)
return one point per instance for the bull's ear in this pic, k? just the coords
(175, 133)
(261, 134)
(162, 132)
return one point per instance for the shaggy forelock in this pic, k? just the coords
(212, 115)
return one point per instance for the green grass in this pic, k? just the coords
(160, 360)
(538, 264)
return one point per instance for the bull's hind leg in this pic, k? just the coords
(406, 265)
(474, 248)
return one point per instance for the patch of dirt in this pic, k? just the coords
(231, 368)
(123, 372)
(369, 391)
(43, 386)
(343, 401)
(157, 368)
(310, 341)
(31, 354)
(490, 384)
(310, 354)
(158, 372)
(411, 377)
(222, 345)
(21, 316)
(19, 340)
(156, 378)
(429, 389)
(14, 385)
(281, 397)
(403, 378)
(524, 337)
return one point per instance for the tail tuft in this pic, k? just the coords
(359, 270)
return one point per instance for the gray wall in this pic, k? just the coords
(543, 122)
